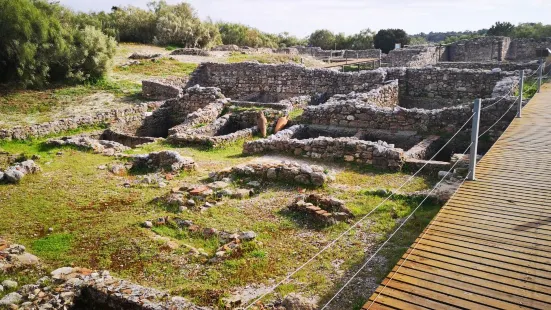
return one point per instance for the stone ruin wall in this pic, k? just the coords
(115, 116)
(364, 116)
(384, 96)
(504, 66)
(370, 53)
(378, 154)
(451, 83)
(479, 49)
(175, 111)
(415, 56)
(163, 89)
(525, 49)
(272, 83)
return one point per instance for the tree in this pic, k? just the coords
(532, 30)
(322, 38)
(39, 45)
(386, 39)
(501, 29)
(362, 40)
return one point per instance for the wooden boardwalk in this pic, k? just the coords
(490, 245)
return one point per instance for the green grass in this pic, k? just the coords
(52, 247)
(96, 223)
(295, 114)
(162, 67)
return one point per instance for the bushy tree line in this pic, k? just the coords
(328, 40)
(522, 30)
(39, 45)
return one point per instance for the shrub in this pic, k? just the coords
(39, 45)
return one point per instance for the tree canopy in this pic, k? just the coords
(386, 39)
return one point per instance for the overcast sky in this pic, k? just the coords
(301, 17)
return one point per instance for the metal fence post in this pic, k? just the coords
(474, 140)
(540, 74)
(521, 92)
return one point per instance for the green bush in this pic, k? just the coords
(39, 46)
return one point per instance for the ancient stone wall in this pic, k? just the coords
(415, 56)
(125, 115)
(175, 111)
(378, 154)
(451, 83)
(125, 139)
(479, 49)
(360, 115)
(503, 65)
(163, 89)
(370, 53)
(272, 83)
(202, 116)
(190, 51)
(525, 49)
(384, 96)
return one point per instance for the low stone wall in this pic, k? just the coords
(175, 111)
(163, 89)
(81, 288)
(272, 83)
(125, 115)
(191, 138)
(424, 149)
(378, 154)
(190, 51)
(205, 115)
(285, 171)
(371, 53)
(164, 160)
(105, 147)
(503, 65)
(125, 139)
(451, 83)
(15, 173)
(287, 51)
(361, 115)
(415, 56)
(384, 96)
(226, 48)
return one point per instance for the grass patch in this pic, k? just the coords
(53, 246)
(162, 67)
(295, 114)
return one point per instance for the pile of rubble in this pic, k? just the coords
(164, 160)
(285, 171)
(14, 256)
(105, 147)
(327, 210)
(231, 242)
(78, 288)
(15, 173)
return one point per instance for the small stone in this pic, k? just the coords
(247, 235)
(59, 153)
(182, 208)
(9, 284)
(271, 174)
(117, 169)
(148, 224)
(218, 185)
(254, 184)
(226, 192)
(208, 205)
(241, 193)
(1, 288)
(102, 167)
(11, 299)
(190, 203)
(60, 272)
(297, 302)
(50, 229)
(162, 185)
(209, 232)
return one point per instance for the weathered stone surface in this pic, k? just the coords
(15, 173)
(118, 116)
(105, 147)
(165, 160)
(190, 51)
(11, 299)
(285, 171)
(295, 301)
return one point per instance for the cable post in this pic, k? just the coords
(474, 140)
(521, 91)
(540, 75)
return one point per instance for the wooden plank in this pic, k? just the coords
(490, 245)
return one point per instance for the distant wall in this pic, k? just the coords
(384, 96)
(272, 83)
(163, 89)
(415, 56)
(479, 49)
(503, 65)
(525, 49)
(370, 53)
